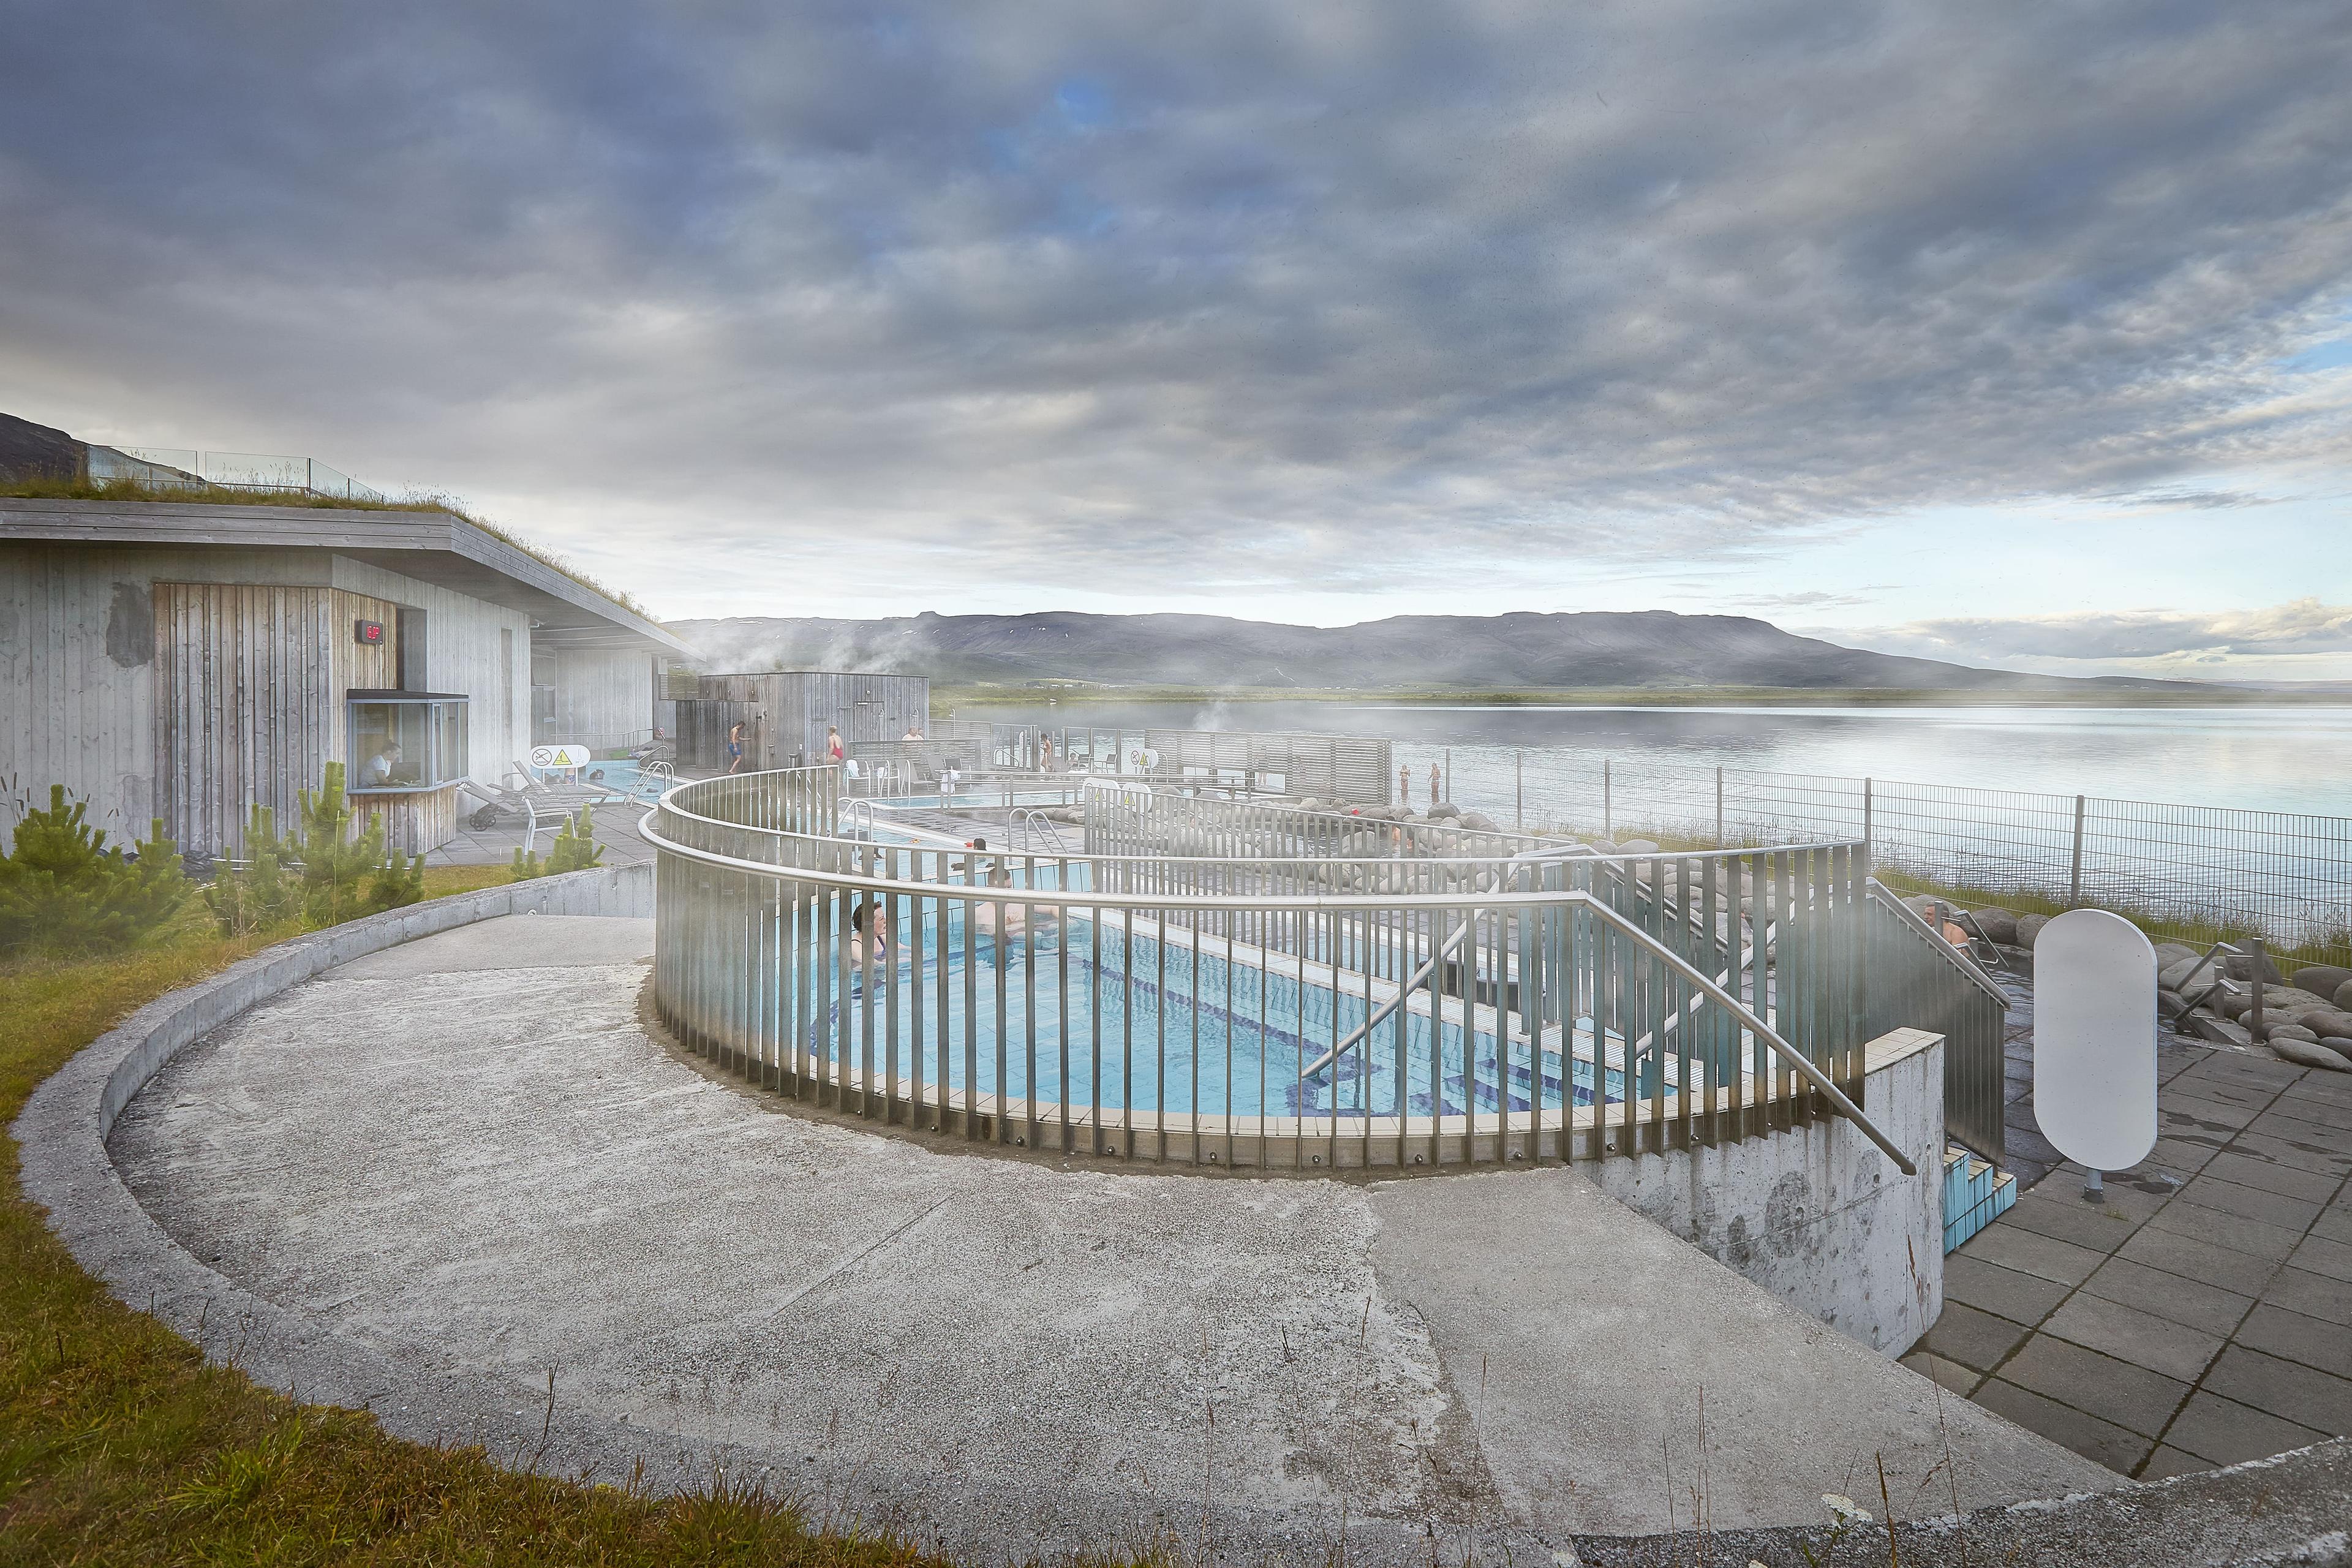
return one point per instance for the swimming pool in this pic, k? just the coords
(1126, 1013)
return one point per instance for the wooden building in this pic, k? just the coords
(786, 712)
(189, 662)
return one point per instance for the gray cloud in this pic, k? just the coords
(1244, 297)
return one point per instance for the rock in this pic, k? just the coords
(2341, 1044)
(2311, 1054)
(2327, 1021)
(2171, 1003)
(1477, 822)
(1604, 846)
(2277, 1032)
(2173, 974)
(1310, 804)
(1443, 809)
(2321, 979)
(1998, 925)
(2241, 967)
(1640, 846)
(2344, 995)
(2029, 929)
(2171, 952)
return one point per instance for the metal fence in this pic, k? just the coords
(1911, 977)
(1357, 768)
(2180, 870)
(174, 467)
(1269, 1011)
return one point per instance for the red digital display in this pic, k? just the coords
(370, 631)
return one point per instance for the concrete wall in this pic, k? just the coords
(1817, 1215)
(78, 664)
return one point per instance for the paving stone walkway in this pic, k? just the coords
(2171, 1328)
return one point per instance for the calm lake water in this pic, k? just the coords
(2268, 759)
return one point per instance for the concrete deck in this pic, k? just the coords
(2165, 1329)
(461, 1165)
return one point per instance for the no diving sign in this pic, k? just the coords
(563, 756)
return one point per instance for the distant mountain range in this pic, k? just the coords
(1652, 649)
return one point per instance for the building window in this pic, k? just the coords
(406, 739)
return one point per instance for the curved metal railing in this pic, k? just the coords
(1510, 1009)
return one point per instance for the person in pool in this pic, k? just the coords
(869, 938)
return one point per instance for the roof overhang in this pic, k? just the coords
(434, 547)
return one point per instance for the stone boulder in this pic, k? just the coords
(2344, 995)
(2171, 952)
(1477, 822)
(2311, 1054)
(2241, 967)
(1604, 846)
(2277, 1032)
(1997, 924)
(1310, 804)
(2029, 929)
(2173, 974)
(1443, 809)
(2171, 1003)
(2326, 1021)
(2322, 979)
(1640, 846)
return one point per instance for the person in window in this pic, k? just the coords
(382, 768)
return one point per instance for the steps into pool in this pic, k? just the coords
(1974, 1193)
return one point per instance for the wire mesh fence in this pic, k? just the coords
(2184, 870)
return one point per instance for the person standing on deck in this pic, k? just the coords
(735, 748)
(1435, 783)
(833, 748)
(1404, 784)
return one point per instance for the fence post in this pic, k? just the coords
(1865, 814)
(1605, 831)
(2256, 965)
(1718, 808)
(1520, 788)
(2075, 878)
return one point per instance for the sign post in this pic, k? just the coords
(2094, 1041)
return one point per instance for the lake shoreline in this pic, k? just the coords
(956, 696)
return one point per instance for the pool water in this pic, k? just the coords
(1178, 1030)
(627, 781)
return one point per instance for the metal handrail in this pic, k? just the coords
(1961, 961)
(1028, 818)
(1642, 939)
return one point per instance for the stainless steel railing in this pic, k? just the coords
(1143, 1009)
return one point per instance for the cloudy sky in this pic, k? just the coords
(2019, 333)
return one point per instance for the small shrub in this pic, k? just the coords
(261, 895)
(575, 849)
(339, 877)
(62, 891)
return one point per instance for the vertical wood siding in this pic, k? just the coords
(790, 710)
(245, 712)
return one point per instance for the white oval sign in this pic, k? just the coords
(2095, 1039)
(565, 756)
